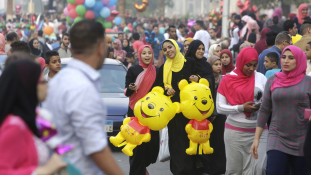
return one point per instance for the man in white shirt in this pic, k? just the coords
(179, 31)
(214, 39)
(74, 99)
(202, 35)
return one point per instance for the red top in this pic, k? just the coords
(137, 45)
(202, 125)
(138, 127)
(17, 148)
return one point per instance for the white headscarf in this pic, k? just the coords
(212, 50)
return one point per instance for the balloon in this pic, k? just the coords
(105, 12)
(72, 20)
(162, 30)
(134, 24)
(117, 20)
(98, 6)
(68, 19)
(89, 14)
(109, 30)
(114, 13)
(32, 27)
(112, 7)
(107, 24)
(37, 26)
(71, 1)
(71, 6)
(77, 19)
(73, 13)
(80, 10)
(26, 32)
(79, 1)
(112, 38)
(110, 18)
(196, 104)
(142, 7)
(89, 3)
(105, 1)
(48, 30)
(66, 12)
(112, 2)
(97, 14)
(143, 119)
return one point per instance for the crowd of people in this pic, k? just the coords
(259, 79)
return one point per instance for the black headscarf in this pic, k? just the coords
(18, 92)
(240, 25)
(307, 146)
(34, 51)
(128, 48)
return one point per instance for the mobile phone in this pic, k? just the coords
(257, 105)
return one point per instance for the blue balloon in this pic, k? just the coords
(97, 14)
(134, 24)
(105, 12)
(26, 32)
(113, 38)
(112, 2)
(87, 7)
(89, 3)
(118, 20)
(98, 6)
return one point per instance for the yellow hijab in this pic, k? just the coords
(189, 39)
(172, 64)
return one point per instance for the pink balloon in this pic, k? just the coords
(112, 7)
(89, 14)
(66, 12)
(80, 2)
(105, 2)
(73, 13)
(109, 30)
(71, 6)
(110, 18)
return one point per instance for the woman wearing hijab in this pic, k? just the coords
(21, 150)
(278, 13)
(238, 95)
(34, 48)
(286, 96)
(186, 44)
(226, 61)
(291, 16)
(244, 31)
(302, 12)
(126, 46)
(118, 53)
(261, 45)
(143, 77)
(238, 22)
(253, 32)
(175, 69)
(214, 50)
(253, 16)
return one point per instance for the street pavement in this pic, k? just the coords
(158, 168)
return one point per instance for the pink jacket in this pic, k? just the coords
(18, 153)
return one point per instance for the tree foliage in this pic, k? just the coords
(273, 3)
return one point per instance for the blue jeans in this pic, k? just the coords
(279, 163)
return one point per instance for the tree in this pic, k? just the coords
(121, 4)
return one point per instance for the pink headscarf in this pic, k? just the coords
(277, 12)
(2, 45)
(41, 62)
(300, 15)
(246, 19)
(287, 79)
(252, 24)
(145, 79)
(119, 52)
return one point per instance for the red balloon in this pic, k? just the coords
(89, 14)
(71, 6)
(78, 2)
(110, 18)
(109, 30)
(73, 13)
(255, 9)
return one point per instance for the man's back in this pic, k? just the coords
(203, 36)
(302, 43)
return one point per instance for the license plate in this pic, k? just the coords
(109, 126)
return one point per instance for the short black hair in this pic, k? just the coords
(309, 43)
(129, 55)
(120, 33)
(273, 57)
(10, 36)
(304, 27)
(171, 26)
(307, 18)
(135, 36)
(275, 20)
(288, 24)
(212, 29)
(40, 33)
(283, 36)
(270, 38)
(20, 46)
(65, 34)
(181, 26)
(261, 17)
(49, 54)
(200, 23)
(156, 25)
(58, 38)
(18, 56)
(84, 35)
(244, 13)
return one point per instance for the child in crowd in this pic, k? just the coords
(53, 63)
(131, 60)
(308, 54)
(271, 64)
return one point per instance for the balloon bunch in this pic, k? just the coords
(143, 7)
(247, 6)
(191, 22)
(150, 37)
(103, 11)
(214, 17)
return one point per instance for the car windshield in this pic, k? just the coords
(112, 78)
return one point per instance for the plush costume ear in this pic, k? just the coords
(158, 89)
(182, 84)
(204, 81)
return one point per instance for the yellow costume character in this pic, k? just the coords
(196, 103)
(153, 111)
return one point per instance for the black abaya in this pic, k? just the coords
(146, 153)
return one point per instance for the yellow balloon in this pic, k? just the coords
(196, 104)
(296, 38)
(152, 112)
(32, 27)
